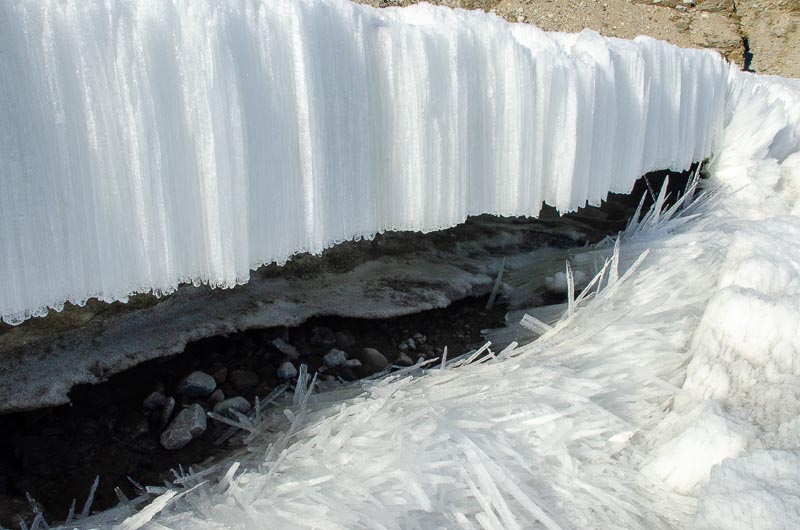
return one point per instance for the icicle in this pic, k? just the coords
(570, 291)
(301, 388)
(90, 499)
(496, 288)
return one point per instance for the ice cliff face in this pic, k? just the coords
(145, 144)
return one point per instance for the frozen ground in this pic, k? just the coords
(684, 354)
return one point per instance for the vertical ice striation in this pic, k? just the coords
(148, 143)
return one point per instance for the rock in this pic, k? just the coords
(419, 338)
(345, 339)
(372, 360)
(14, 510)
(196, 385)
(334, 358)
(244, 380)
(352, 363)
(220, 375)
(166, 411)
(320, 335)
(187, 425)
(286, 349)
(403, 360)
(155, 401)
(217, 396)
(427, 350)
(263, 389)
(132, 426)
(238, 403)
(287, 371)
(407, 345)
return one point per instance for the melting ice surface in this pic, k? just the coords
(152, 142)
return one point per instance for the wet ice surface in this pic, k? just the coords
(683, 353)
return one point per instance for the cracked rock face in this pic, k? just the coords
(772, 29)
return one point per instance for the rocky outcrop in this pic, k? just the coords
(772, 30)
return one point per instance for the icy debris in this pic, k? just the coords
(334, 358)
(188, 424)
(287, 371)
(196, 385)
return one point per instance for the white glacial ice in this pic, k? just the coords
(211, 137)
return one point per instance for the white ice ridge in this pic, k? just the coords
(153, 142)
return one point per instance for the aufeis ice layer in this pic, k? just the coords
(144, 144)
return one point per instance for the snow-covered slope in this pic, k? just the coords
(148, 143)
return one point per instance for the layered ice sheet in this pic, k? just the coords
(148, 143)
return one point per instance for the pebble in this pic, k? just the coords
(220, 375)
(373, 360)
(352, 363)
(345, 339)
(196, 385)
(322, 335)
(155, 401)
(407, 345)
(287, 349)
(132, 426)
(404, 360)
(216, 396)
(244, 380)
(287, 371)
(187, 425)
(334, 358)
(419, 338)
(166, 411)
(238, 403)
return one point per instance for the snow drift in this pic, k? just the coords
(682, 354)
(144, 144)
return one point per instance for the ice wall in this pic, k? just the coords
(148, 143)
